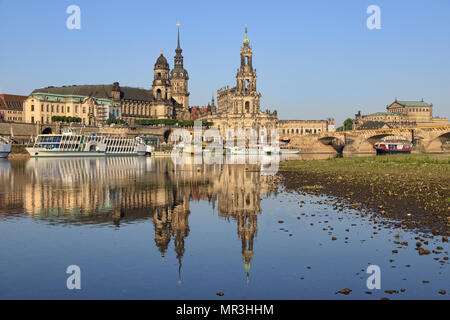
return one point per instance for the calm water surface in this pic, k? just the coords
(148, 229)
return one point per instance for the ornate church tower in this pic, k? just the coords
(161, 107)
(246, 80)
(179, 78)
(161, 82)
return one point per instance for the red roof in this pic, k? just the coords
(11, 101)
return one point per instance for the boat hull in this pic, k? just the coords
(381, 151)
(5, 150)
(36, 153)
(289, 151)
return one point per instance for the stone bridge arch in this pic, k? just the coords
(362, 142)
(439, 143)
(377, 137)
(337, 143)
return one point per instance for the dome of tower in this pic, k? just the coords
(179, 73)
(161, 62)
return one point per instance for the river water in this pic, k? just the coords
(147, 228)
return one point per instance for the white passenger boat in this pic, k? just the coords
(289, 150)
(5, 147)
(73, 145)
(253, 150)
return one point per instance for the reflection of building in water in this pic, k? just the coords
(240, 198)
(10, 199)
(121, 190)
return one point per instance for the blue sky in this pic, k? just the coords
(314, 59)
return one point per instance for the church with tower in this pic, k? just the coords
(239, 107)
(167, 98)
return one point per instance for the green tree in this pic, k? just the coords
(348, 125)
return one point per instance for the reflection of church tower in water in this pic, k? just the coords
(240, 199)
(247, 229)
(172, 221)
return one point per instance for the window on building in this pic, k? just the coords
(84, 109)
(32, 119)
(68, 109)
(62, 109)
(32, 108)
(76, 109)
(57, 109)
(53, 108)
(42, 108)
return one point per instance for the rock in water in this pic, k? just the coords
(345, 291)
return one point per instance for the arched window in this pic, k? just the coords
(247, 106)
(158, 94)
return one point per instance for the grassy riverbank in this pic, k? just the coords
(412, 187)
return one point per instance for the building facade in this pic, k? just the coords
(91, 104)
(400, 114)
(11, 107)
(305, 127)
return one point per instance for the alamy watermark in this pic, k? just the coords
(374, 281)
(240, 146)
(74, 280)
(74, 20)
(374, 20)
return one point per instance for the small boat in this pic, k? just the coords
(237, 150)
(253, 150)
(5, 147)
(289, 150)
(392, 147)
(161, 153)
(148, 143)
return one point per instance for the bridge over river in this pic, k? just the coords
(425, 140)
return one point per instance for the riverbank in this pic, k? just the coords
(413, 189)
(18, 152)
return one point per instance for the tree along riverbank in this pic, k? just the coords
(413, 189)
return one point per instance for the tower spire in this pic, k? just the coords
(178, 25)
(246, 42)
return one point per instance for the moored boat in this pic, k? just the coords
(392, 147)
(5, 148)
(72, 145)
(289, 150)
